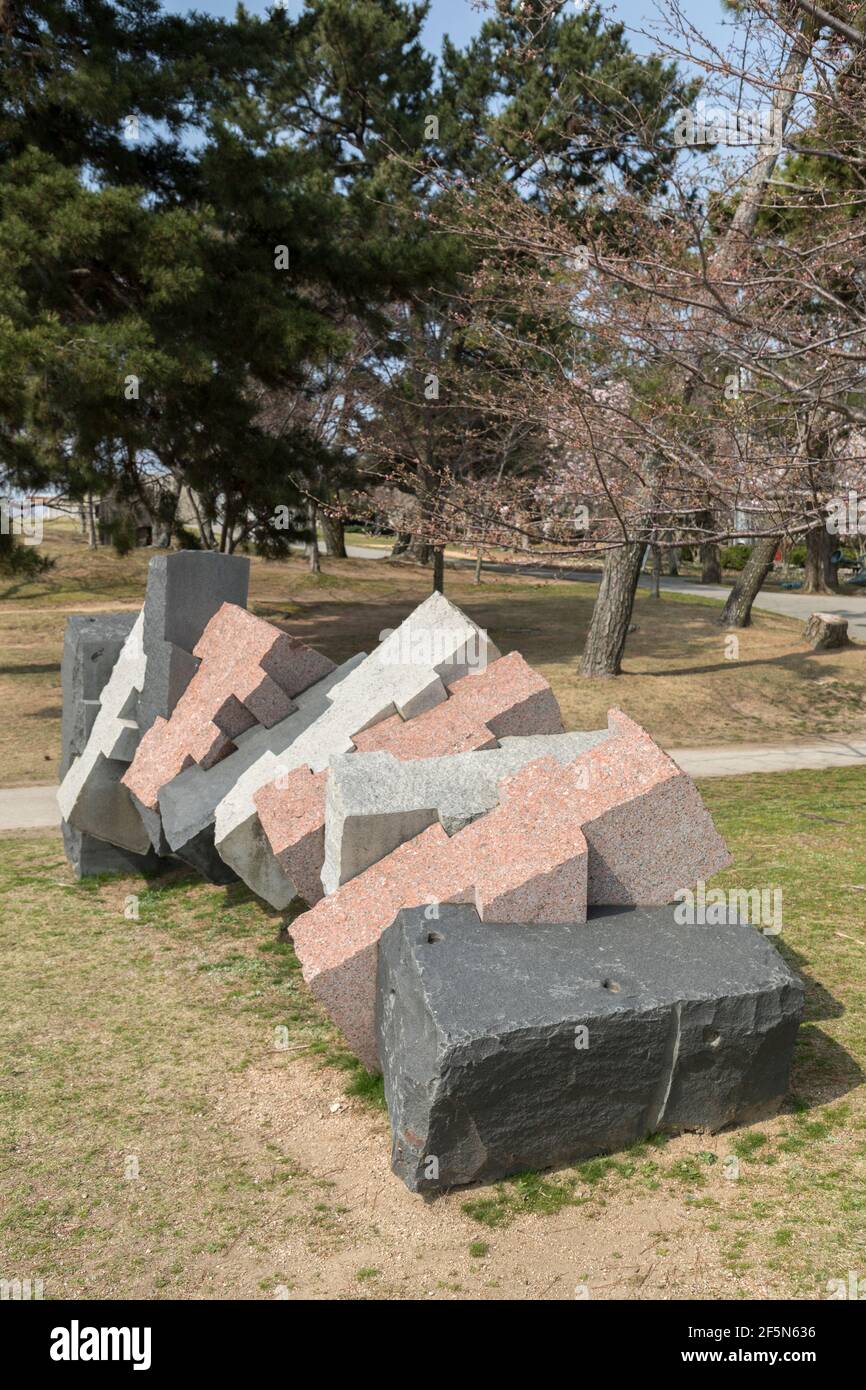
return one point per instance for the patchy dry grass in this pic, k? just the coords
(677, 681)
(263, 1170)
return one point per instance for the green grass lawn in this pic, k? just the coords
(178, 1119)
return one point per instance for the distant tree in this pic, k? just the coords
(166, 258)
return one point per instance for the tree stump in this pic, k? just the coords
(825, 631)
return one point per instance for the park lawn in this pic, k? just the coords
(678, 681)
(181, 1045)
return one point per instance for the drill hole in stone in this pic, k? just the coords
(432, 937)
(711, 1037)
(611, 986)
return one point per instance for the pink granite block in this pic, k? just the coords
(294, 666)
(648, 831)
(508, 694)
(162, 752)
(248, 672)
(434, 734)
(510, 698)
(525, 861)
(528, 858)
(337, 940)
(292, 816)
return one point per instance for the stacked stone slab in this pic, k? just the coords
(291, 809)
(487, 895)
(407, 675)
(507, 1048)
(609, 819)
(91, 646)
(150, 673)
(374, 802)
(248, 672)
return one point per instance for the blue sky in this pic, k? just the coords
(460, 20)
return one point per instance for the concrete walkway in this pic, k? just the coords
(35, 808)
(789, 605)
(740, 759)
(29, 808)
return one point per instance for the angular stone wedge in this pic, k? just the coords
(249, 670)
(507, 1048)
(91, 646)
(649, 833)
(375, 801)
(506, 698)
(91, 797)
(524, 861)
(291, 812)
(404, 677)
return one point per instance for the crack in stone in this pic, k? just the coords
(672, 1052)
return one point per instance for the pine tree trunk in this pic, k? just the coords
(711, 563)
(313, 556)
(205, 527)
(334, 533)
(207, 532)
(402, 541)
(737, 612)
(673, 561)
(439, 569)
(605, 641)
(818, 576)
(92, 537)
(479, 561)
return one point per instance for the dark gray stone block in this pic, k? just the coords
(184, 590)
(200, 853)
(91, 646)
(488, 1072)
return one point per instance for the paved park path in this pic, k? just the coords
(35, 808)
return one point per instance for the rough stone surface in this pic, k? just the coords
(507, 698)
(488, 1072)
(826, 631)
(649, 833)
(373, 802)
(91, 797)
(184, 591)
(516, 701)
(248, 672)
(438, 732)
(189, 801)
(91, 646)
(507, 692)
(403, 677)
(293, 823)
(525, 861)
